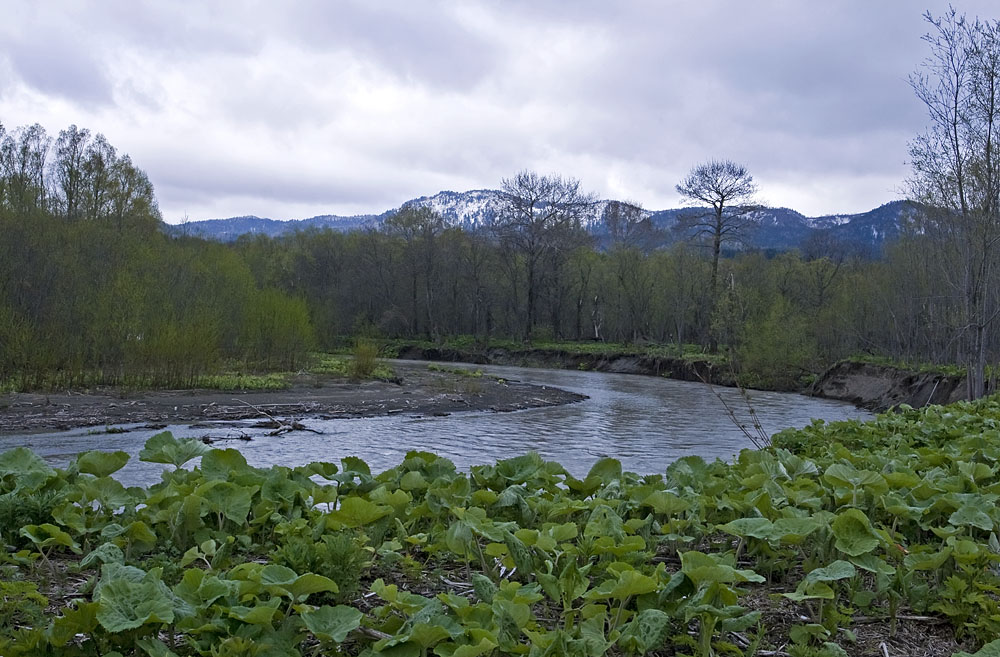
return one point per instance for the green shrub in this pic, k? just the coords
(18, 509)
(341, 556)
(365, 359)
(20, 605)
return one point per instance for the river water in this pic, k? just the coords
(646, 422)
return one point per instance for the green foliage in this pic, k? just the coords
(341, 556)
(777, 348)
(98, 295)
(365, 359)
(273, 381)
(164, 448)
(20, 605)
(460, 371)
(519, 556)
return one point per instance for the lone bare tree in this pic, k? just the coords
(728, 190)
(956, 174)
(539, 219)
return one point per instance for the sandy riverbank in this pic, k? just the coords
(420, 391)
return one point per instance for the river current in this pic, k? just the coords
(645, 422)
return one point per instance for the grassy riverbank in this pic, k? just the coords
(838, 540)
(358, 362)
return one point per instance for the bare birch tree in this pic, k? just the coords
(956, 175)
(539, 218)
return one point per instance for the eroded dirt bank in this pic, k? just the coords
(618, 363)
(870, 386)
(880, 387)
(421, 392)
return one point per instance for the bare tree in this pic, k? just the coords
(628, 224)
(22, 165)
(68, 170)
(630, 230)
(540, 219)
(98, 164)
(956, 174)
(728, 190)
(419, 228)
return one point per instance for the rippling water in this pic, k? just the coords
(645, 422)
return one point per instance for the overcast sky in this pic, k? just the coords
(293, 109)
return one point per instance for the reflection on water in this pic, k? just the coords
(645, 422)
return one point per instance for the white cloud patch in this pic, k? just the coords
(291, 110)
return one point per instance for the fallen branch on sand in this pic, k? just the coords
(280, 427)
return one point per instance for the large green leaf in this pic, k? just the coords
(357, 512)
(110, 493)
(792, 531)
(854, 534)
(970, 514)
(309, 583)
(333, 623)
(78, 619)
(808, 590)
(749, 527)
(604, 521)
(48, 535)
(606, 470)
(355, 465)
(666, 502)
(28, 471)
(101, 464)
(199, 589)
(259, 614)
(284, 581)
(843, 474)
(164, 448)
(222, 464)
(126, 605)
(708, 568)
(154, 647)
(927, 560)
(837, 570)
(227, 498)
(520, 468)
(628, 583)
(105, 553)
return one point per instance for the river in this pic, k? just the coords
(645, 422)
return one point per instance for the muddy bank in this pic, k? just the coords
(420, 392)
(880, 387)
(869, 386)
(617, 363)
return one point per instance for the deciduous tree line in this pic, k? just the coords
(92, 291)
(780, 316)
(88, 284)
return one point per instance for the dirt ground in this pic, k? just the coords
(421, 391)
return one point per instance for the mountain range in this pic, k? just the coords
(778, 229)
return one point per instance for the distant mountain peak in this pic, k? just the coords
(778, 228)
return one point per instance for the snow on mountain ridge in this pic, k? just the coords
(778, 228)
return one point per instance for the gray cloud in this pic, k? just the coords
(350, 106)
(56, 67)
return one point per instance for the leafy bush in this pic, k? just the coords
(365, 359)
(20, 605)
(341, 556)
